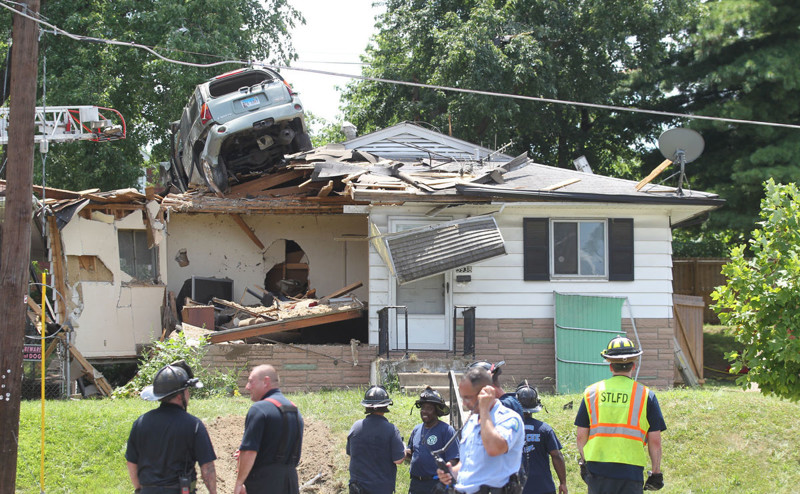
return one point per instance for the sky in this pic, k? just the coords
(334, 32)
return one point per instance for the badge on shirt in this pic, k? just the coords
(432, 440)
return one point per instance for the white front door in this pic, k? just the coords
(429, 303)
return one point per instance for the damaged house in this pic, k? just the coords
(400, 241)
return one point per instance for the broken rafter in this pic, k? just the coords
(259, 185)
(284, 325)
(249, 231)
(341, 291)
(653, 174)
(326, 190)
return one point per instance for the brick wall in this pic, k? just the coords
(301, 368)
(526, 345)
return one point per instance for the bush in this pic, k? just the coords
(761, 300)
(215, 383)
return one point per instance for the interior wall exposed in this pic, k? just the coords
(215, 246)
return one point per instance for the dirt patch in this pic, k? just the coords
(316, 457)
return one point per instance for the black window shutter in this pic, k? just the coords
(620, 254)
(536, 246)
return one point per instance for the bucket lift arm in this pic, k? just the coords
(71, 123)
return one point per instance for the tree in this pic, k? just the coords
(593, 51)
(761, 300)
(741, 62)
(149, 92)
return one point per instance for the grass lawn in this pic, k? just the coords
(719, 439)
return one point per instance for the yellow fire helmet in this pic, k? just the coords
(621, 350)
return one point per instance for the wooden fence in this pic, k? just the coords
(688, 311)
(698, 277)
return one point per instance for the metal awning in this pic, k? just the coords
(430, 250)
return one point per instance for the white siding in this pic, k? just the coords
(498, 290)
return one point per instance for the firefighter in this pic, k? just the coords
(429, 436)
(375, 447)
(617, 419)
(541, 446)
(272, 439)
(165, 443)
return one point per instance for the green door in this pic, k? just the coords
(584, 325)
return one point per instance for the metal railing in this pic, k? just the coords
(468, 313)
(383, 329)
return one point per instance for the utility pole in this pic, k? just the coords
(15, 253)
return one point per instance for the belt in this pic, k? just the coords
(423, 478)
(485, 489)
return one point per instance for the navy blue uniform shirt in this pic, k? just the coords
(374, 444)
(540, 440)
(423, 442)
(623, 470)
(165, 443)
(262, 431)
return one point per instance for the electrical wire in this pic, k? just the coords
(614, 108)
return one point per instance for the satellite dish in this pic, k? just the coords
(686, 142)
(681, 146)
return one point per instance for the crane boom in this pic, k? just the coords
(71, 123)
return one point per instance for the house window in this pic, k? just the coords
(135, 258)
(578, 249)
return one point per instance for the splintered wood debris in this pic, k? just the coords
(323, 180)
(246, 321)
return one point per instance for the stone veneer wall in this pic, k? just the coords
(526, 345)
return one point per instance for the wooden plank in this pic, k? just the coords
(341, 291)
(240, 308)
(98, 378)
(285, 325)
(57, 263)
(653, 174)
(246, 228)
(326, 190)
(561, 184)
(255, 187)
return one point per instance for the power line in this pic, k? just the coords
(539, 99)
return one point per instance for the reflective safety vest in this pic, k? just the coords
(618, 427)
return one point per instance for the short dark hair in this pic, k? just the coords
(621, 367)
(478, 377)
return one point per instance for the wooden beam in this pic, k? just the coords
(653, 174)
(341, 291)
(285, 325)
(249, 231)
(257, 186)
(98, 378)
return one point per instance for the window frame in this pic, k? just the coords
(537, 249)
(154, 257)
(579, 275)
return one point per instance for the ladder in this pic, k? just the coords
(70, 123)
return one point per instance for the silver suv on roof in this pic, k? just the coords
(235, 124)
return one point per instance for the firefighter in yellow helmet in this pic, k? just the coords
(619, 425)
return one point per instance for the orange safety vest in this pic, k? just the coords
(618, 427)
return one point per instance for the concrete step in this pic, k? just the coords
(416, 390)
(423, 379)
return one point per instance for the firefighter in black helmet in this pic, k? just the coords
(165, 443)
(431, 435)
(619, 425)
(541, 446)
(375, 446)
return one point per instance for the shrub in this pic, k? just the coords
(215, 383)
(761, 300)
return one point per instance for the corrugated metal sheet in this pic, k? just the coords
(584, 325)
(426, 251)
